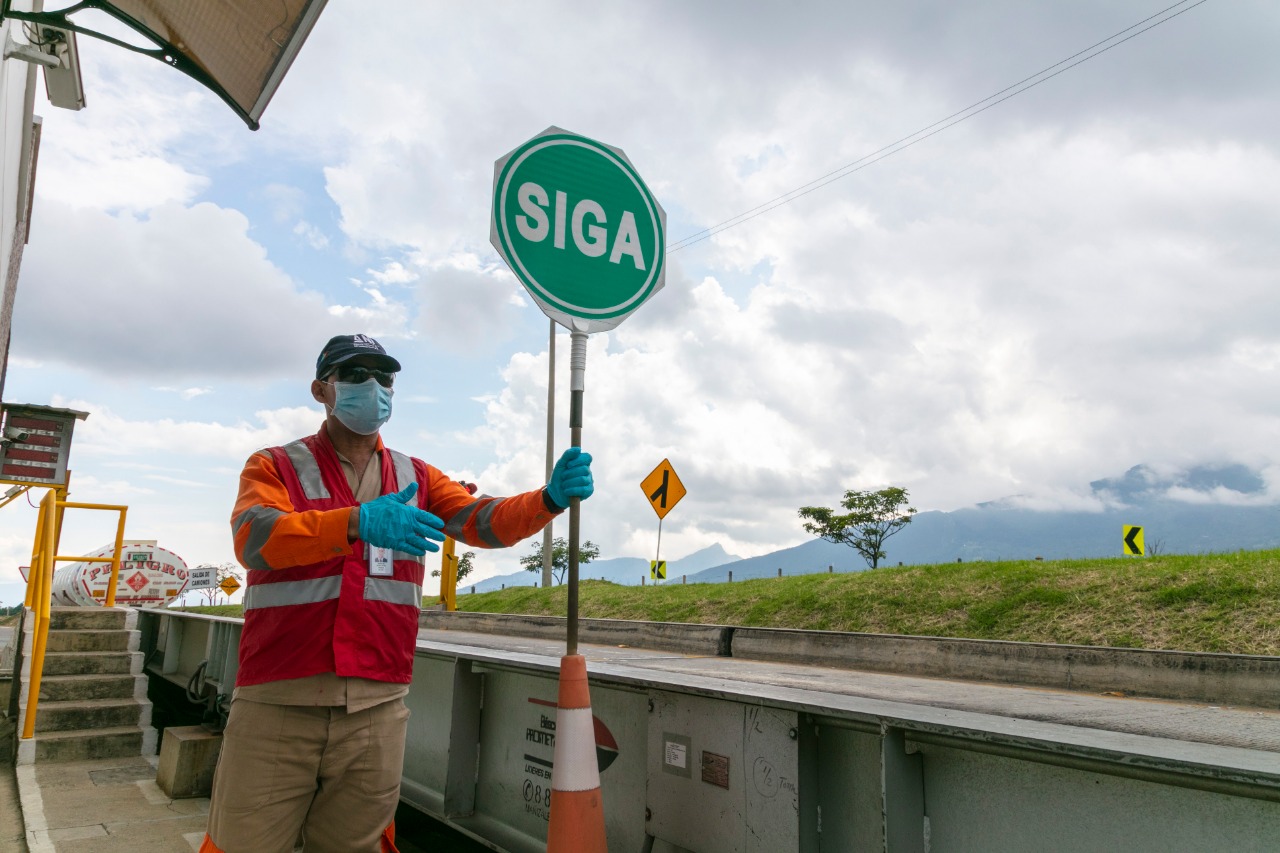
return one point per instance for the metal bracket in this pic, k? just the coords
(165, 52)
(28, 53)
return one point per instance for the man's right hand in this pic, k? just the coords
(389, 522)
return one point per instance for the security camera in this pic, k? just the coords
(62, 81)
(14, 434)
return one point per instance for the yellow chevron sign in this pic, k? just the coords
(1133, 544)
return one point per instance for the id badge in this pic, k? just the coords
(380, 562)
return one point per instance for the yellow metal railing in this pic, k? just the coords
(40, 583)
(449, 575)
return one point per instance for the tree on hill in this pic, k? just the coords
(465, 564)
(532, 562)
(872, 517)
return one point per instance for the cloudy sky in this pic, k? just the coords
(1080, 279)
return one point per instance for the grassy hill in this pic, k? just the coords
(1209, 603)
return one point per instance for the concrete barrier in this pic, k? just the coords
(665, 636)
(1199, 677)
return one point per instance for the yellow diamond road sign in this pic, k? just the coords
(229, 586)
(663, 488)
(1133, 544)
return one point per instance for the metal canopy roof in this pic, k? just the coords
(240, 49)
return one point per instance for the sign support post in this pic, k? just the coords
(577, 385)
(657, 554)
(547, 542)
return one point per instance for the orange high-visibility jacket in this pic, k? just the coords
(311, 605)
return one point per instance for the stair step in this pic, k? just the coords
(72, 688)
(88, 618)
(87, 640)
(88, 744)
(86, 663)
(98, 714)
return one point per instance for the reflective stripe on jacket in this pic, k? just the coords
(311, 605)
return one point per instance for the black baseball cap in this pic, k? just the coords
(343, 347)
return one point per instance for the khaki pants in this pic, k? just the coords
(332, 775)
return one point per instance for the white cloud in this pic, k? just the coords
(184, 292)
(311, 235)
(106, 434)
(185, 393)
(393, 273)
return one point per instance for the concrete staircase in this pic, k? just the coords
(93, 695)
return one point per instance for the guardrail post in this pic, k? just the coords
(464, 742)
(902, 793)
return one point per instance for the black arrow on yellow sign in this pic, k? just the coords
(659, 496)
(662, 488)
(1133, 543)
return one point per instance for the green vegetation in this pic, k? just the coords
(1209, 603)
(872, 518)
(532, 562)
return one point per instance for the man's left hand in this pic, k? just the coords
(571, 477)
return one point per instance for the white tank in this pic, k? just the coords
(149, 575)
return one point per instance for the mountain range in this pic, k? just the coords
(1206, 509)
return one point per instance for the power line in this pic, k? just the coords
(952, 120)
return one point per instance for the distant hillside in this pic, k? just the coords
(1201, 511)
(621, 570)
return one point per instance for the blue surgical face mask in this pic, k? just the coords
(362, 408)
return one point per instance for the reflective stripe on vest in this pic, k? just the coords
(308, 471)
(404, 469)
(393, 591)
(285, 593)
(483, 511)
(261, 521)
(405, 475)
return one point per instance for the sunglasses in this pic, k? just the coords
(357, 375)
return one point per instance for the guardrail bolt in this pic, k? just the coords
(650, 706)
(648, 815)
(793, 733)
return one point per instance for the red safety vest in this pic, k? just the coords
(333, 616)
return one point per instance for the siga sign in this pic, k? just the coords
(663, 488)
(1133, 544)
(579, 228)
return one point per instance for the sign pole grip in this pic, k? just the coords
(577, 384)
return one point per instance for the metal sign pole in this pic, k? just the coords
(657, 556)
(577, 384)
(551, 450)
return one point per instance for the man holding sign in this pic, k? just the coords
(333, 528)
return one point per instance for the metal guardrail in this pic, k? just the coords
(40, 584)
(695, 758)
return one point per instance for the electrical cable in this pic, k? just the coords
(195, 685)
(937, 127)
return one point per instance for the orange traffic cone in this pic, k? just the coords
(577, 809)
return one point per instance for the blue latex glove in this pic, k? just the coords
(571, 478)
(389, 522)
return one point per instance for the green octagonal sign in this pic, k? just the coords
(579, 228)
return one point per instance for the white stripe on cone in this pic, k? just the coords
(575, 751)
